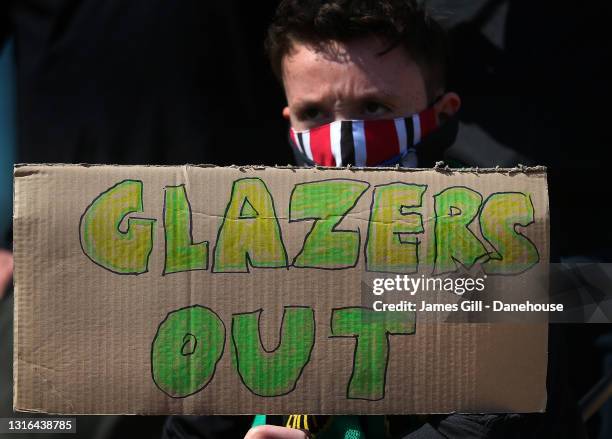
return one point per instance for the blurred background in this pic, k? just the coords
(175, 82)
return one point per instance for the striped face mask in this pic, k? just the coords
(365, 142)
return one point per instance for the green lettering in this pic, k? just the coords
(455, 209)
(181, 253)
(392, 245)
(186, 349)
(514, 252)
(103, 241)
(250, 233)
(276, 372)
(371, 329)
(327, 202)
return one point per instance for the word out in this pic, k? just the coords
(190, 342)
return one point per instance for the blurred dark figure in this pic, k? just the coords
(535, 91)
(144, 81)
(540, 95)
(138, 82)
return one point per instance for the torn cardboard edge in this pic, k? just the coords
(440, 167)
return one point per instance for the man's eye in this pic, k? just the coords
(312, 113)
(375, 109)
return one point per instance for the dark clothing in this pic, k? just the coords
(206, 427)
(144, 82)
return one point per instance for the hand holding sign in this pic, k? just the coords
(6, 270)
(275, 432)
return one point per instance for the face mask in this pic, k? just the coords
(364, 142)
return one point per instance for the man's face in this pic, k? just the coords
(344, 81)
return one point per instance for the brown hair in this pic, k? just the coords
(399, 22)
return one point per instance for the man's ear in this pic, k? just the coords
(446, 106)
(286, 113)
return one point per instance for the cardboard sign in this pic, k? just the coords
(209, 290)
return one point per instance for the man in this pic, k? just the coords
(365, 86)
(360, 61)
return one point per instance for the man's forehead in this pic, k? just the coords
(312, 73)
(361, 53)
(337, 90)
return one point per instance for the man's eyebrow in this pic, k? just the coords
(368, 95)
(308, 102)
(373, 95)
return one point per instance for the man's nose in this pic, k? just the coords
(344, 114)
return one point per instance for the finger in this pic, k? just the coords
(6, 270)
(275, 432)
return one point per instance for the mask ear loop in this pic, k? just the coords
(297, 152)
(414, 148)
(433, 147)
(443, 117)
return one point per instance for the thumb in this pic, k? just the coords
(275, 432)
(6, 270)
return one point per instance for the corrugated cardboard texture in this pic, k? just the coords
(84, 334)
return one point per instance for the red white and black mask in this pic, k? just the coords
(380, 142)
